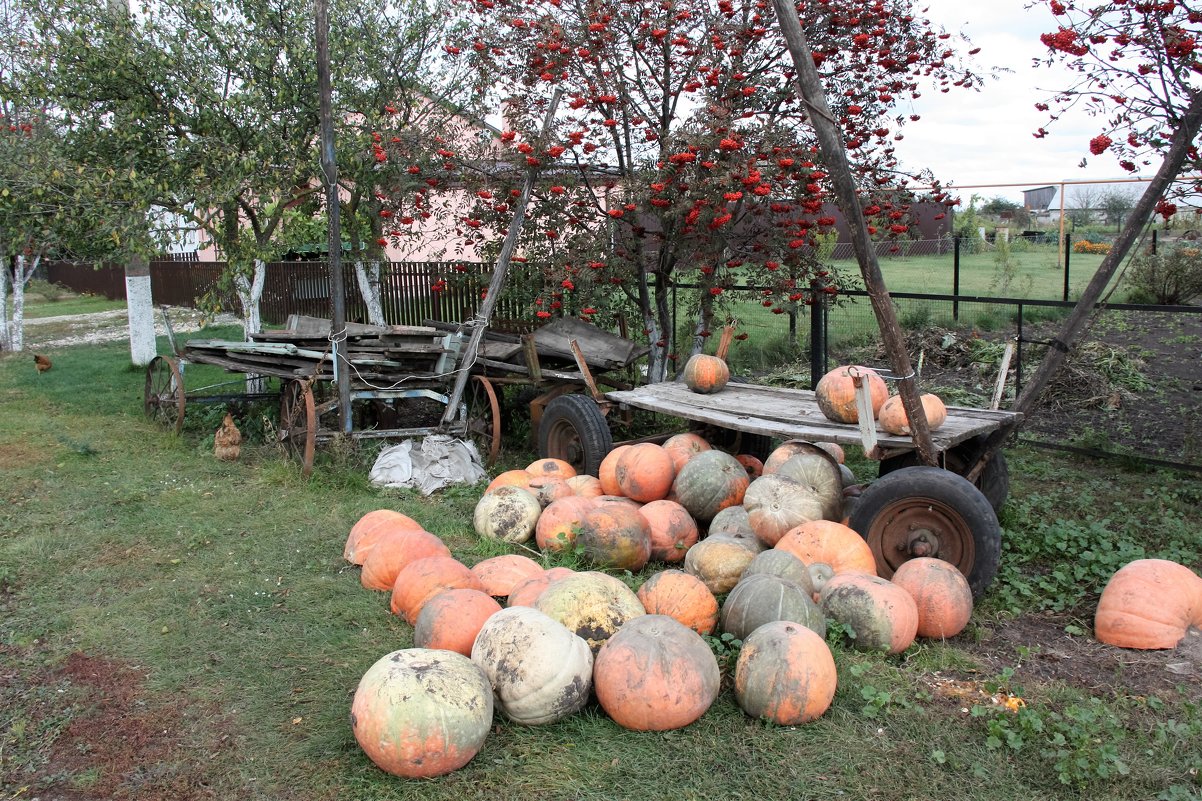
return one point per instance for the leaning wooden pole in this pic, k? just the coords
(830, 141)
(497, 282)
(1183, 140)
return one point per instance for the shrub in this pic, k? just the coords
(1171, 276)
(1085, 246)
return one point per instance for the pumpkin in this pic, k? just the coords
(785, 674)
(1147, 604)
(655, 674)
(419, 713)
(683, 447)
(786, 451)
(732, 520)
(392, 554)
(941, 593)
(673, 531)
(828, 548)
(591, 605)
(882, 615)
(586, 486)
(525, 593)
(549, 489)
(421, 580)
(775, 562)
(753, 466)
(644, 472)
(761, 598)
(836, 393)
(607, 471)
(507, 513)
(510, 478)
(834, 449)
(893, 418)
(556, 573)
(370, 529)
(451, 620)
(710, 482)
(719, 562)
(551, 468)
(501, 574)
(614, 535)
(709, 374)
(540, 672)
(682, 597)
(776, 504)
(820, 474)
(559, 524)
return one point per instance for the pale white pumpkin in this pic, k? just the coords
(507, 513)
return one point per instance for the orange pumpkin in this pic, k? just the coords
(786, 451)
(754, 467)
(452, 619)
(893, 419)
(548, 489)
(941, 593)
(836, 393)
(825, 544)
(683, 447)
(525, 593)
(370, 528)
(776, 504)
(719, 562)
(511, 478)
(1147, 604)
(706, 374)
(834, 449)
(644, 472)
(655, 674)
(785, 674)
(615, 535)
(673, 531)
(682, 597)
(392, 554)
(551, 468)
(586, 486)
(559, 524)
(607, 472)
(423, 579)
(883, 616)
(501, 574)
(708, 483)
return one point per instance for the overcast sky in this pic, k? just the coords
(986, 137)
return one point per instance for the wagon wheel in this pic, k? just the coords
(574, 429)
(298, 422)
(993, 482)
(929, 511)
(484, 418)
(164, 398)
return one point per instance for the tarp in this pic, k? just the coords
(439, 461)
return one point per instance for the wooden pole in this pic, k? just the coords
(497, 282)
(1183, 140)
(329, 168)
(830, 140)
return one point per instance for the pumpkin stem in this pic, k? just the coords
(728, 333)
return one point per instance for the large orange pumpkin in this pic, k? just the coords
(882, 615)
(941, 593)
(655, 674)
(682, 597)
(370, 528)
(673, 531)
(683, 447)
(559, 524)
(422, 580)
(710, 482)
(586, 486)
(510, 478)
(501, 574)
(893, 419)
(836, 393)
(452, 619)
(785, 674)
(706, 374)
(644, 472)
(1149, 603)
(607, 472)
(419, 713)
(392, 554)
(551, 468)
(828, 548)
(615, 535)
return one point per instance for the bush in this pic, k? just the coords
(1170, 277)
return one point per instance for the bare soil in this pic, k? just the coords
(47, 333)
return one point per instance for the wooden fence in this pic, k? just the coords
(406, 289)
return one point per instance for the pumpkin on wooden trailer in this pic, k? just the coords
(894, 420)
(836, 393)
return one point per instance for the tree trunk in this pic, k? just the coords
(25, 271)
(368, 276)
(139, 308)
(250, 291)
(5, 334)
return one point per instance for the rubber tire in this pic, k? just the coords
(951, 489)
(994, 481)
(581, 414)
(757, 445)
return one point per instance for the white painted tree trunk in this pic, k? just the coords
(25, 270)
(139, 308)
(5, 334)
(250, 292)
(368, 276)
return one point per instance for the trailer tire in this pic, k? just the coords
(929, 511)
(574, 429)
(994, 481)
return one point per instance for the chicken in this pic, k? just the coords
(41, 362)
(227, 442)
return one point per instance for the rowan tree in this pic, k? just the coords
(683, 151)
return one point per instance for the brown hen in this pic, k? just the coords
(227, 442)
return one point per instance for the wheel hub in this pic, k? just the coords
(920, 527)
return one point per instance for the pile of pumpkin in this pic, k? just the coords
(774, 548)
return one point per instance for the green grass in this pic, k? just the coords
(39, 306)
(222, 585)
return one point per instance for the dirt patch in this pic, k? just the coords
(1039, 650)
(46, 333)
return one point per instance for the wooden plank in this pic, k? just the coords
(601, 348)
(559, 375)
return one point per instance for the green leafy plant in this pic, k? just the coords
(1171, 276)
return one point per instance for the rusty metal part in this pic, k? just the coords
(298, 422)
(164, 398)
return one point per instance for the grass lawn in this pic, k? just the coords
(176, 627)
(39, 306)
